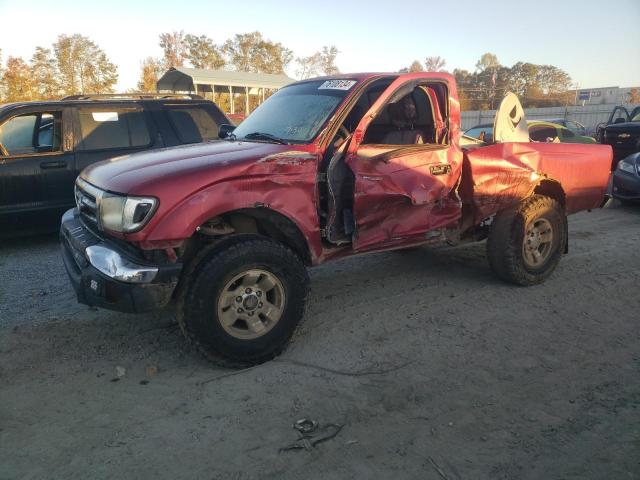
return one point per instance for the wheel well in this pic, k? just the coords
(262, 221)
(552, 189)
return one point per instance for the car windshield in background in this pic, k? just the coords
(295, 114)
(636, 117)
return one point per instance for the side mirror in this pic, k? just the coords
(225, 130)
(620, 120)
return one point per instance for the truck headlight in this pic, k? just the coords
(126, 214)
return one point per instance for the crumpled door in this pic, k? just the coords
(404, 192)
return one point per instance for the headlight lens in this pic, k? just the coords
(126, 214)
(625, 166)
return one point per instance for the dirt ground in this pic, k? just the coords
(435, 369)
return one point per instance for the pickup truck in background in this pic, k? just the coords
(622, 132)
(324, 169)
(45, 145)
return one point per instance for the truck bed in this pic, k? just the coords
(498, 175)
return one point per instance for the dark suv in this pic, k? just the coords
(45, 145)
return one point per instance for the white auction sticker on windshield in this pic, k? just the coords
(337, 85)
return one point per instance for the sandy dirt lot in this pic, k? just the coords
(434, 368)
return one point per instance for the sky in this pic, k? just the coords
(596, 42)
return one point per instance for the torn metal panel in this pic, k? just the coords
(500, 175)
(402, 192)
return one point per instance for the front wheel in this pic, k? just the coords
(525, 242)
(244, 300)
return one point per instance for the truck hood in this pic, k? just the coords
(144, 172)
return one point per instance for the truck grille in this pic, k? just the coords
(87, 201)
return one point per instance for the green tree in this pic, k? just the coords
(18, 84)
(44, 74)
(202, 52)
(151, 70)
(553, 80)
(82, 66)
(250, 52)
(175, 48)
(435, 64)
(416, 66)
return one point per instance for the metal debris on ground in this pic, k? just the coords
(311, 433)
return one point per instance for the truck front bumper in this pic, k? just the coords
(104, 275)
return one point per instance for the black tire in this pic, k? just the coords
(506, 242)
(197, 305)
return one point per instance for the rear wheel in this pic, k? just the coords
(525, 242)
(244, 300)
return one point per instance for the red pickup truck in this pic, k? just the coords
(325, 168)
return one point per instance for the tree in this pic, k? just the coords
(434, 64)
(465, 83)
(310, 66)
(1, 78)
(634, 96)
(151, 70)
(320, 63)
(416, 66)
(82, 66)
(328, 60)
(202, 52)
(44, 74)
(553, 80)
(250, 52)
(18, 84)
(487, 61)
(175, 49)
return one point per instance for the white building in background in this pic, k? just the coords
(604, 95)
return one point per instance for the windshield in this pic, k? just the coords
(635, 115)
(295, 114)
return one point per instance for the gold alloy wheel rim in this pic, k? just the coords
(251, 304)
(537, 243)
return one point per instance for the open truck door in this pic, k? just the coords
(406, 161)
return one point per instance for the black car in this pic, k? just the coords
(626, 179)
(622, 132)
(45, 145)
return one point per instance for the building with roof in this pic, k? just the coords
(606, 95)
(224, 87)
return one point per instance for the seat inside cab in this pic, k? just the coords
(416, 118)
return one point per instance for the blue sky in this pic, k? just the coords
(596, 42)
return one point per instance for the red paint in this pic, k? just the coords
(398, 201)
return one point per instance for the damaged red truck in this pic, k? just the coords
(325, 168)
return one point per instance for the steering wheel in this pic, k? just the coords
(3, 151)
